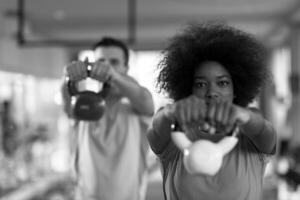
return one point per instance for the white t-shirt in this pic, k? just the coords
(111, 154)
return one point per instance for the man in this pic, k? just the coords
(110, 154)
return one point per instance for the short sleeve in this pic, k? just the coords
(168, 154)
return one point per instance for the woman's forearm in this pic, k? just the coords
(261, 132)
(159, 132)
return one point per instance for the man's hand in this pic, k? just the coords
(76, 71)
(102, 72)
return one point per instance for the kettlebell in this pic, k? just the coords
(86, 105)
(203, 156)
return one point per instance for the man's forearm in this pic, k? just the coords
(66, 99)
(140, 97)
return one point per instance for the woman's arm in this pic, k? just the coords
(184, 112)
(251, 122)
(261, 132)
(160, 130)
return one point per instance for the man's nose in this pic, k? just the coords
(105, 62)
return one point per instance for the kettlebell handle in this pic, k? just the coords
(175, 126)
(89, 66)
(234, 133)
(71, 85)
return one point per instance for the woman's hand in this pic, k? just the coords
(187, 112)
(221, 116)
(225, 116)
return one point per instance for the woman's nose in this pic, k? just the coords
(212, 93)
(212, 96)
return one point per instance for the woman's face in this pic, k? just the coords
(212, 82)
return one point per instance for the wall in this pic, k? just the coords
(38, 61)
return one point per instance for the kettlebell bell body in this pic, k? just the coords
(203, 156)
(88, 106)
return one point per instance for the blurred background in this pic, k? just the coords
(39, 37)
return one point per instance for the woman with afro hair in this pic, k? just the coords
(212, 72)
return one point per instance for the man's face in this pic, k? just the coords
(112, 56)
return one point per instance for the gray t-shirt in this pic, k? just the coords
(240, 177)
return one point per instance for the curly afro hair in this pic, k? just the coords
(244, 57)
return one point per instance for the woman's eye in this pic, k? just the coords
(224, 83)
(200, 84)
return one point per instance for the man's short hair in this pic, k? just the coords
(112, 42)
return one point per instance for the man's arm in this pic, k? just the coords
(75, 71)
(66, 100)
(139, 96)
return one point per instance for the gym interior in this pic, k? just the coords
(38, 38)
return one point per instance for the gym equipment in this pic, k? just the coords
(86, 105)
(203, 156)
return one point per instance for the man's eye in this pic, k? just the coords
(114, 62)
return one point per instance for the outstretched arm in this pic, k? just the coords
(139, 96)
(261, 132)
(74, 71)
(159, 131)
(185, 112)
(222, 116)
(66, 100)
(226, 115)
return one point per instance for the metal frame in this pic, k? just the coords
(24, 42)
